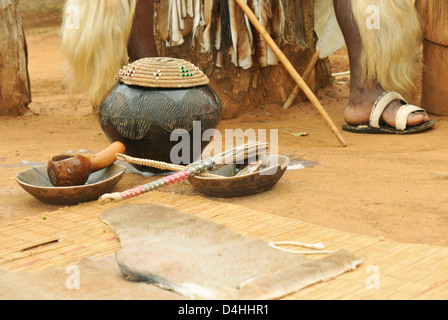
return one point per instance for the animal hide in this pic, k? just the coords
(391, 36)
(263, 11)
(176, 24)
(95, 51)
(99, 279)
(224, 38)
(207, 12)
(278, 21)
(169, 254)
(196, 20)
(190, 8)
(241, 55)
(234, 37)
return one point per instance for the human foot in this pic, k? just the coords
(360, 107)
(374, 111)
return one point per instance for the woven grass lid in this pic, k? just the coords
(160, 72)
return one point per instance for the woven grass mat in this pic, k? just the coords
(391, 270)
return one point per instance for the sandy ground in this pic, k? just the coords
(383, 186)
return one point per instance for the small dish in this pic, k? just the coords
(35, 181)
(272, 170)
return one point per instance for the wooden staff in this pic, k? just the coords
(290, 68)
(306, 74)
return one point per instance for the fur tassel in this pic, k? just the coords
(233, 12)
(196, 21)
(278, 21)
(217, 17)
(174, 21)
(206, 40)
(262, 10)
(176, 25)
(180, 15)
(207, 12)
(218, 33)
(275, 28)
(226, 35)
(184, 9)
(244, 44)
(391, 44)
(94, 52)
(190, 8)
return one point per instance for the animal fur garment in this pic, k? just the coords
(169, 254)
(95, 34)
(241, 53)
(391, 35)
(179, 11)
(233, 34)
(176, 24)
(223, 41)
(206, 44)
(94, 41)
(263, 11)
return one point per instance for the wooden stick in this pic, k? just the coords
(241, 152)
(290, 68)
(158, 164)
(158, 184)
(306, 74)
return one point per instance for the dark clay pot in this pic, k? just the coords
(144, 118)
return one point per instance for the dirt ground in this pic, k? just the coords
(383, 186)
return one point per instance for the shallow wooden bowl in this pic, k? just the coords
(228, 187)
(36, 182)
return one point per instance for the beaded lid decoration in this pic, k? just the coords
(162, 72)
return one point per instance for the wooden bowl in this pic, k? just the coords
(228, 187)
(36, 182)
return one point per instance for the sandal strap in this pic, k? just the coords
(381, 104)
(401, 119)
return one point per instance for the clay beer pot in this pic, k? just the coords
(153, 101)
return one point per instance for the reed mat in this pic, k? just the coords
(391, 270)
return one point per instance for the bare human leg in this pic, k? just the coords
(141, 41)
(363, 94)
